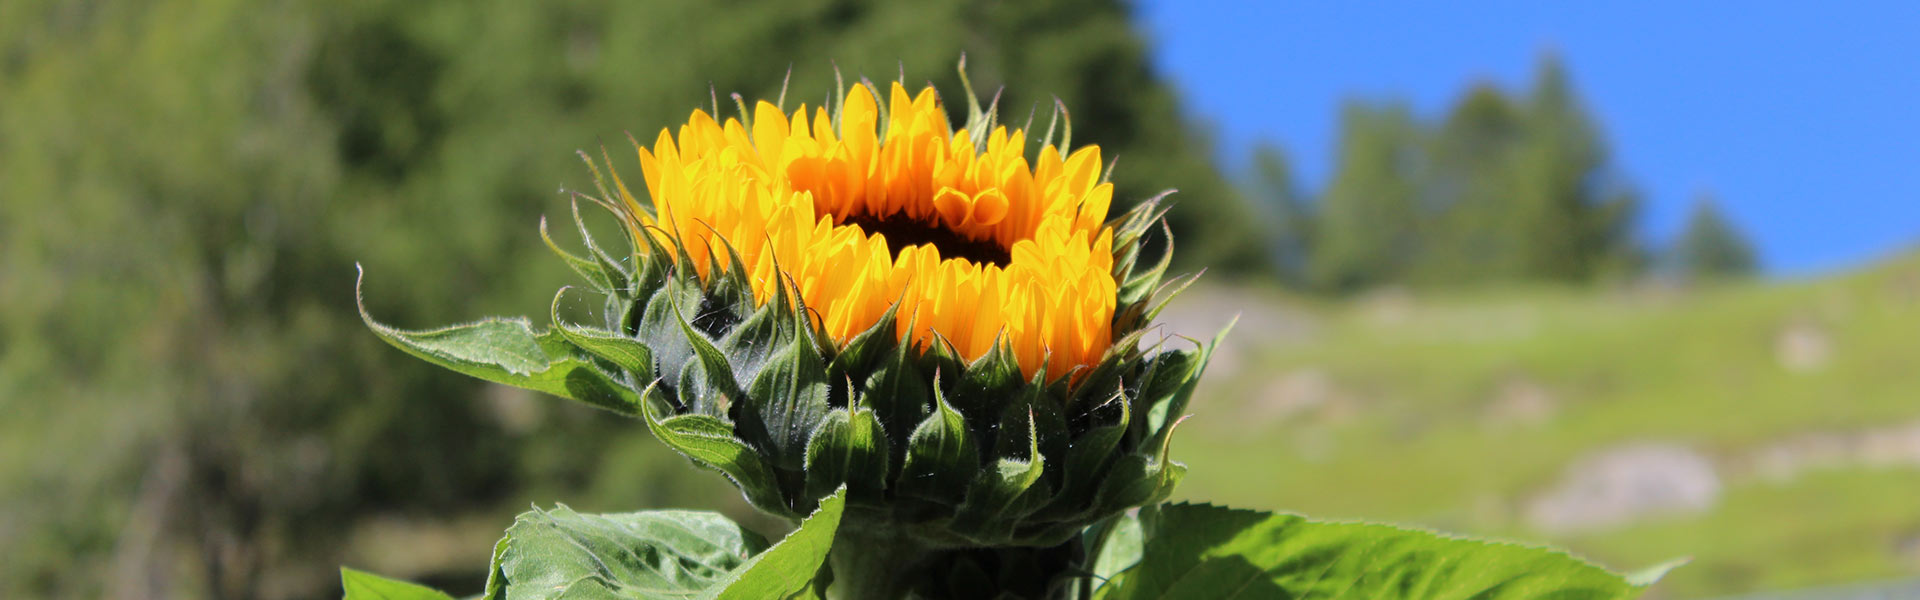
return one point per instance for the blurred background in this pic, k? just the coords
(1640, 280)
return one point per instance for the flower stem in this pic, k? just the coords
(878, 564)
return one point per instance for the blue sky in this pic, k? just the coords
(1804, 120)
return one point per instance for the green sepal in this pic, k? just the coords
(848, 447)
(995, 490)
(655, 268)
(616, 278)
(941, 357)
(710, 442)
(1165, 294)
(510, 352)
(868, 347)
(660, 331)
(1128, 230)
(587, 269)
(1173, 405)
(1160, 382)
(1113, 545)
(1106, 375)
(731, 288)
(1139, 479)
(1087, 459)
(1136, 287)
(990, 381)
(624, 352)
(941, 456)
(707, 384)
(753, 343)
(899, 393)
(790, 398)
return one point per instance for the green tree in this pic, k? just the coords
(1711, 247)
(1369, 214)
(1574, 206)
(1501, 189)
(1471, 230)
(1290, 235)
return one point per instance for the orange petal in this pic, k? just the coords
(989, 207)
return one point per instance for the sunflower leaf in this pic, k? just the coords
(1203, 551)
(361, 585)
(509, 351)
(560, 553)
(790, 567)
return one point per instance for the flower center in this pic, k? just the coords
(904, 232)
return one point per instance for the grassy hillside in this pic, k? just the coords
(1769, 430)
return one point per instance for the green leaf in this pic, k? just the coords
(653, 554)
(1201, 551)
(788, 568)
(1115, 545)
(496, 579)
(710, 442)
(361, 585)
(509, 351)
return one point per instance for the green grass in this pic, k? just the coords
(1404, 434)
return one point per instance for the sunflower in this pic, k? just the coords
(942, 320)
(977, 245)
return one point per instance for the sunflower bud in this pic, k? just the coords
(870, 297)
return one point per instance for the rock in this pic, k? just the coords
(1292, 395)
(1895, 446)
(1803, 347)
(1624, 484)
(1520, 401)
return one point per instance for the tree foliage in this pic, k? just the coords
(1504, 187)
(1710, 247)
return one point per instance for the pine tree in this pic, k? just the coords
(1711, 247)
(1290, 236)
(1369, 218)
